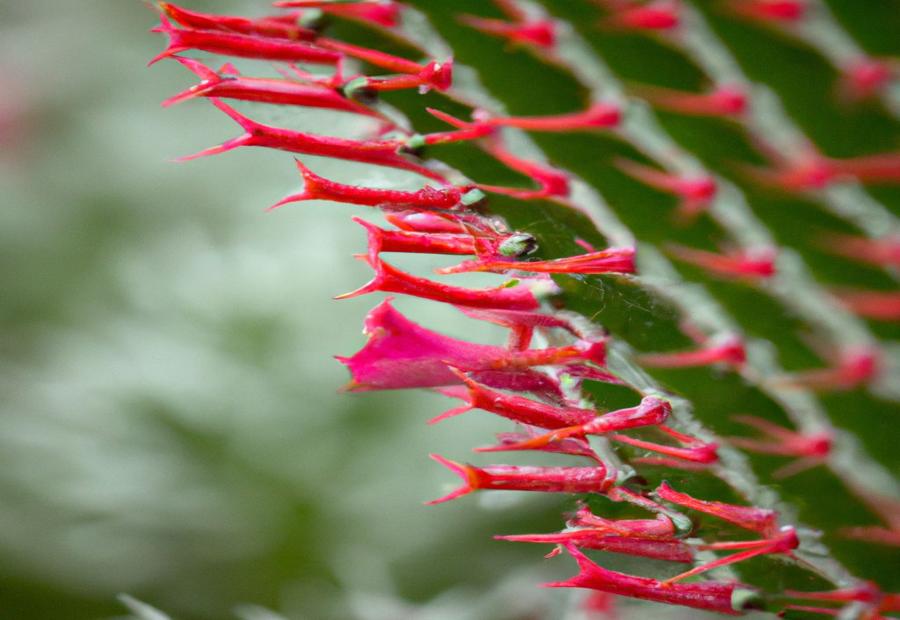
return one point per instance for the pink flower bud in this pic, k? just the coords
(424, 222)
(401, 354)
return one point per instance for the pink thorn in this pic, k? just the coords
(608, 261)
(772, 11)
(786, 442)
(697, 191)
(232, 85)
(450, 413)
(384, 13)
(598, 116)
(437, 75)
(379, 153)
(883, 251)
(535, 479)
(634, 545)
(468, 474)
(878, 305)
(727, 100)
(464, 130)
(660, 528)
(874, 534)
(541, 33)
(572, 446)
(809, 173)
(552, 182)
(320, 188)
(854, 368)
(382, 240)
(242, 45)
(810, 450)
(866, 77)
(584, 245)
(283, 26)
(695, 451)
(374, 57)
(866, 592)
(517, 408)
(392, 280)
(651, 411)
(750, 518)
(751, 264)
(730, 351)
(713, 596)
(883, 168)
(658, 16)
(782, 542)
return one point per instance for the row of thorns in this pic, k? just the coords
(446, 220)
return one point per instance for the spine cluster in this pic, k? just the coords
(538, 388)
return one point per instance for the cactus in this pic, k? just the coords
(703, 248)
